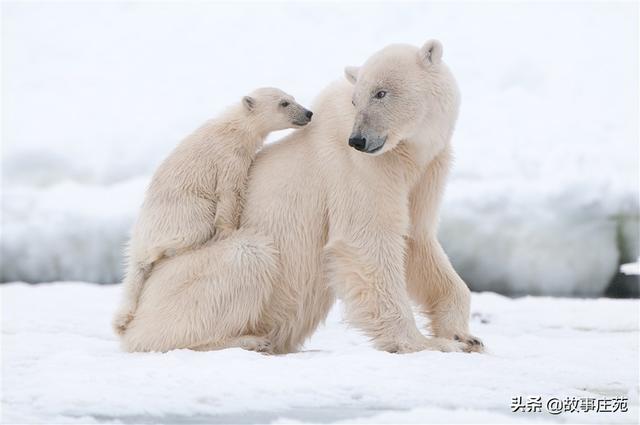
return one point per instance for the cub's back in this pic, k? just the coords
(200, 160)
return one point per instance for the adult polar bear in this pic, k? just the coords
(323, 219)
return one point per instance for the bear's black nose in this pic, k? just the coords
(309, 114)
(358, 142)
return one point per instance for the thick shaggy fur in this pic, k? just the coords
(197, 192)
(323, 220)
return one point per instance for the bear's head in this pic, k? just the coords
(403, 94)
(273, 109)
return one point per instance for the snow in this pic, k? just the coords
(61, 363)
(631, 268)
(543, 198)
(81, 230)
(69, 229)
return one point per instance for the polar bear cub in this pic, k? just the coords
(197, 192)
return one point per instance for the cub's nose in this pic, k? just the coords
(357, 142)
(308, 114)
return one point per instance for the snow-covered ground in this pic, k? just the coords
(61, 364)
(543, 198)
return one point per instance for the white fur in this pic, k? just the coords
(323, 220)
(197, 192)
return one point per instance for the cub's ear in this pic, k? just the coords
(431, 53)
(351, 72)
(249, 103)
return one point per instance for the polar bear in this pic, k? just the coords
(196, 193)
(346, 207)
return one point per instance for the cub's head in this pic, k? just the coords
(275, 109)
(400, 93)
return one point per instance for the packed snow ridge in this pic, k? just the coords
(564, 242)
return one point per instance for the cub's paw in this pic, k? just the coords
(121, 321)
(472, 344)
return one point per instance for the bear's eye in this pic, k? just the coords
(284, 103)
(381, 94)
(353, 102)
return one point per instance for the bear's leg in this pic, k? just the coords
(377, 302)
(442, 294)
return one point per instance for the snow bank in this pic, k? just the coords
(551, 242)
(520, 238)
(543, 196)
(69, 229)
(62, 364)
(631, 268)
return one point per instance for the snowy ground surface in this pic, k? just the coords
(543, 197)
(60, 363)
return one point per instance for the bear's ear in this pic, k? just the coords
(431, 52)
(249, 103)
(351, 72)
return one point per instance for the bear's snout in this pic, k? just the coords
(358, 142)
(303, 117)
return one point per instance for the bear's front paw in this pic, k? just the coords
(256, 343)
(472, 343)
(429, 344)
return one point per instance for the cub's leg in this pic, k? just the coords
(227, 213)
(169, 228)
(135, 277)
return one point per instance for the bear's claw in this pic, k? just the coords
(472, 343)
